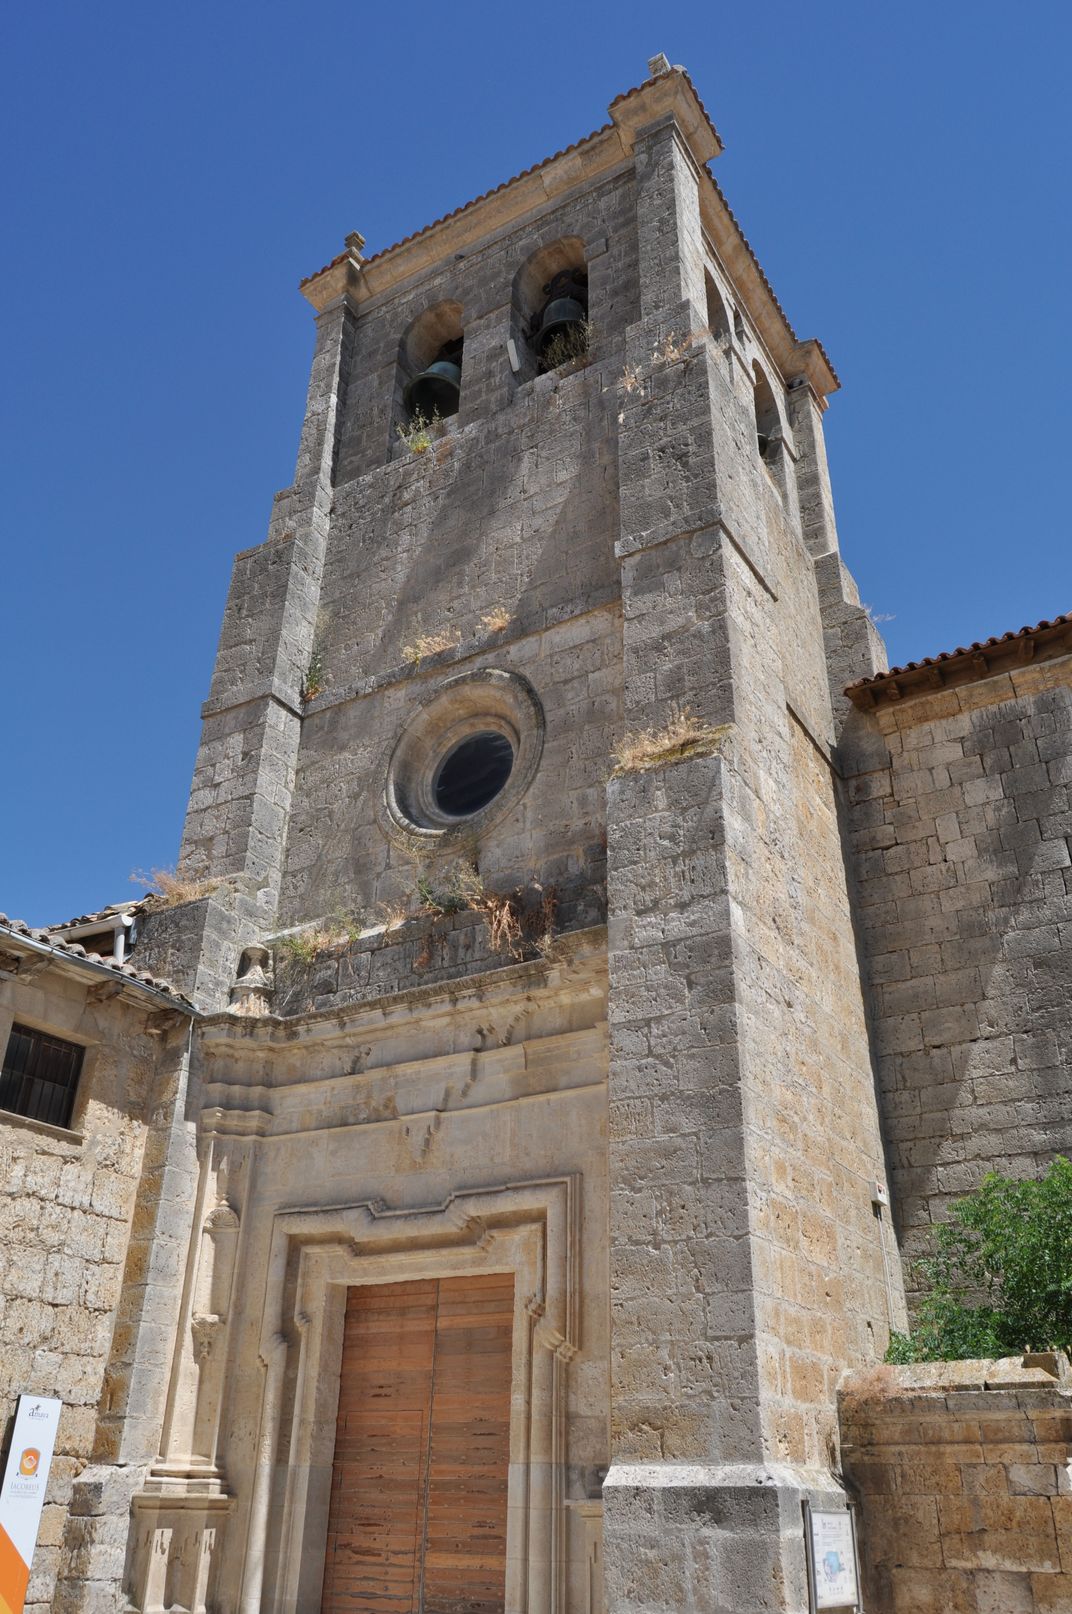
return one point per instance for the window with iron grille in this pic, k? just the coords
(40, 1076)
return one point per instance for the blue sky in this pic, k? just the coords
(172, 172)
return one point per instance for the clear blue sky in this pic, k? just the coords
(172, 172)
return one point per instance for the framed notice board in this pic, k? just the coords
(833, 1559)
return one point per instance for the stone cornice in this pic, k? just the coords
(577, 967)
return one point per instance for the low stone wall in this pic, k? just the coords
(962, 1474)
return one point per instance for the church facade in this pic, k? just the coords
(596, 972)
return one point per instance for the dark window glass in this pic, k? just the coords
(473, 774)
(40, 1076)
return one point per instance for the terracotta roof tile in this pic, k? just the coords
(135, 905)
(465, 206)
(974, 660)
(574, 146)
(75, 950)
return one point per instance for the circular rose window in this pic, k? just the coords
(465, 756)
(472, 774)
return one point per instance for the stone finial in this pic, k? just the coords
(355, 242)
(252, 991)
(658, 65)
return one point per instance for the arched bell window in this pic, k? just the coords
(550, 324)
(768, 420)
(558, 330)
(718, 320)
(430, 364)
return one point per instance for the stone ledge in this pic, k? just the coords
(1033, 1370)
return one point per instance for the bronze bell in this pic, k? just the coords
(566, 307)
(435, 391)
(560, 315)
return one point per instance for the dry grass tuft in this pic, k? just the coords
(418, 433)
(392, 914)
(574, 343)
(669, 351)
(672, 348)
(497, 620)
(169, 889)
(428, 644)
(685, 735)
(517, 922)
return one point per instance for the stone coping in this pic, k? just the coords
(1033, 1370)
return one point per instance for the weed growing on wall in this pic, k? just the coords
(420, 432)
(1000, 1279)
(568, 345)
(497, 620)
(683, 735)
(517, 921)
(340, 929)
(428, 644)
(315, 679)
(170, 888)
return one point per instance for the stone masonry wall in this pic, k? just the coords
(67, 1203)
(961, 1470)
(515, 511)
(746, 1263)
(961, 821)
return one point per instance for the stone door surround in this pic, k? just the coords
(529, 1230)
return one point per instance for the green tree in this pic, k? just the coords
(1000, 1278)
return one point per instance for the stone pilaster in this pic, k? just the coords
(131, 1411)
(854, 647)
(236, 818)
(743, 1128)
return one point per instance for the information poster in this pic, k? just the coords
(22, 1495)
(832, 1559)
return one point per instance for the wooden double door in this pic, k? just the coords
(417, 1519)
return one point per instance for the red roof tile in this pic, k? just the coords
(75, 950)
(974, 660)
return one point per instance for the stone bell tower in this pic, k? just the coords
(520, 532)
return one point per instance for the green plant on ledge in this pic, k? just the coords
(517, 921)
(420, 432)
(1000, 1279)
(457, 892)
(342, 927)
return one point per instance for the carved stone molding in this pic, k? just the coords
(528, 1229)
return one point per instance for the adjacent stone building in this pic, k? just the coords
(564, 956)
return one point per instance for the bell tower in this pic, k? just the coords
(529, 939)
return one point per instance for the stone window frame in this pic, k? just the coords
(481, 700)
(73, 1132)
(531, 1230)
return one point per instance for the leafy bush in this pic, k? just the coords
(1000, 1279)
